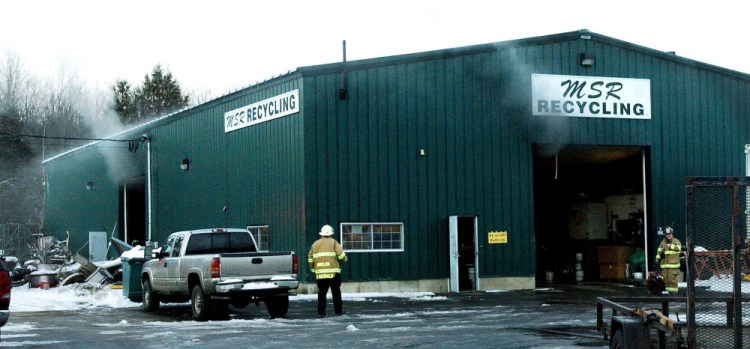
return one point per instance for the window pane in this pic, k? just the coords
(199, 244)
(264, 242)
(372, 237)
(261, 236)
(219, 242)
(177, 247)
(241, 242)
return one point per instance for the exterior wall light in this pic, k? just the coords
(185, 164)
(89, 185)
(587, 60)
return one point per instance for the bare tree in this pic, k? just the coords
(11, 81)
(41, 117)
(198, 97)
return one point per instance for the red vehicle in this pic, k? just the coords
(5, 286)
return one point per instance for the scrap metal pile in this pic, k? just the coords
(53, 264)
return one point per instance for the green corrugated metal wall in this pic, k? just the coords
(369, 169)
(249, 176)
(699, 123)
(70, 207)
(468, 108)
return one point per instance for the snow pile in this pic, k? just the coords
(69, 297)
(135, 252)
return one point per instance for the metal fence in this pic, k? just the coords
(718, 313)
(19, 240)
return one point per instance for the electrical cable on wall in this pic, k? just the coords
(66, 138)
(555, 166)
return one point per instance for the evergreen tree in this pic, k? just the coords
(125, 101)
(160, 94)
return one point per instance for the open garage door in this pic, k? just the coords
(590, 212)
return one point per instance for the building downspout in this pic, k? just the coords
(148, 182)
(125, 210)
(645, 215)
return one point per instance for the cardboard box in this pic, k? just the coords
(615, 271)
(614, 253)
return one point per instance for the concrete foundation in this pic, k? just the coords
(434, 286)
(508, 283)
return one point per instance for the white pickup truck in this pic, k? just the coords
(214, 268)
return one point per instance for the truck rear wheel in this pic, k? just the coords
(201, 306)
(277, 305)
(150, 299)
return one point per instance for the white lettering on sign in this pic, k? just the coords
(265, 110)
(589, 96)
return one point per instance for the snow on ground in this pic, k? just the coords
(89, 296)
(69, 297)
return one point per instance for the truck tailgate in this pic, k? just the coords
(255, 265)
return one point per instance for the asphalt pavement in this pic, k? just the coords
(558, 316)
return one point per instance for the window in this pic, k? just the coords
(167, 248)
(210, 243)
(372, 237)
(177, 246)
(260, 233)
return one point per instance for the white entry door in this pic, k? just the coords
(453, 252)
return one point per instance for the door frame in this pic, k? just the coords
(454, 252)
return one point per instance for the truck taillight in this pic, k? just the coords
(4, 290)
(295, 264)
(215, 268)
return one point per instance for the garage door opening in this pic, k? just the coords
(590, 212)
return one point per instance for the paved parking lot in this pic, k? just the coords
(558, 317)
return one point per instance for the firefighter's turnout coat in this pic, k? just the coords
(324, 257)
(670, 250)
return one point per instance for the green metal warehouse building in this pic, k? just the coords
(497, 166)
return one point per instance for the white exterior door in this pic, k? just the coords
(453, 253)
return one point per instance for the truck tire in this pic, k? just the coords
(277, 305)
(150, 299)
(200, 305)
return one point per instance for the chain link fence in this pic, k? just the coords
(19, 240)
(718, 313)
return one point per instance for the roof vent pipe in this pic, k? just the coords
(343, 91)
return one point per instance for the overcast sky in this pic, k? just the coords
(223, 45)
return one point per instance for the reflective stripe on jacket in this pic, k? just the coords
(324, 258)
(671, 252)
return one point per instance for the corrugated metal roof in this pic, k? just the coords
(582, 34)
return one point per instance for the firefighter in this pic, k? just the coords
(323, 260)
(669, 254)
